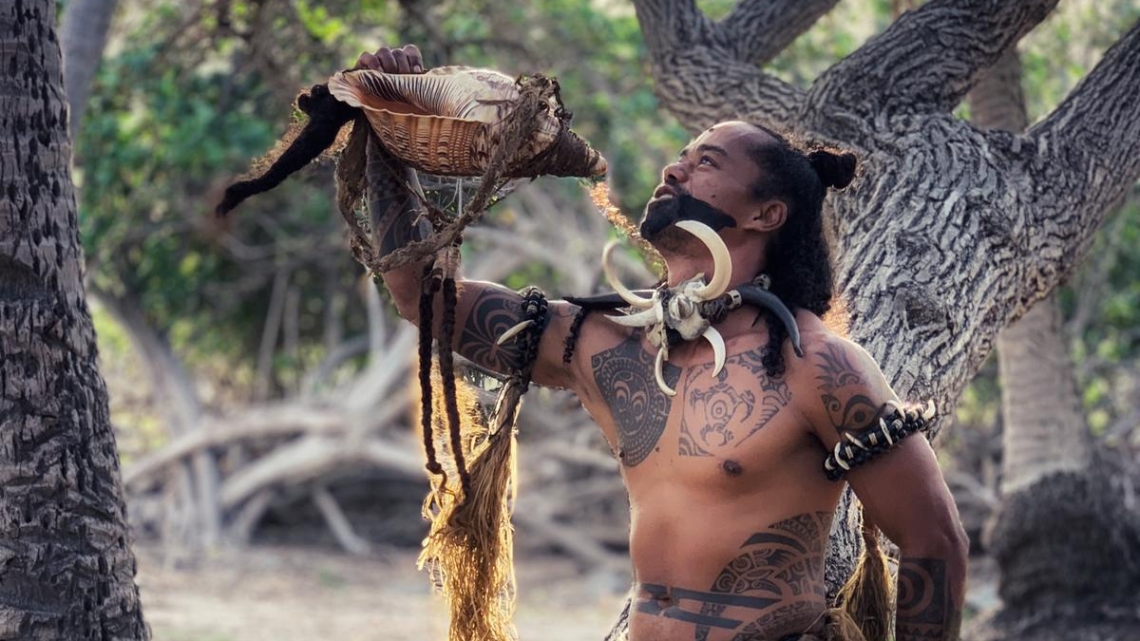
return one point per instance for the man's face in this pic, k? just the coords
(714, 168)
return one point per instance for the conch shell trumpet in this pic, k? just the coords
(450, 120)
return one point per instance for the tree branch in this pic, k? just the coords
(698, 78)
(1087, 154)
(758, 30)
(667, 25)
(927, 60)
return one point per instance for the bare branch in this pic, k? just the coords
(698, 78)
(928, 59)
(757, 30)
(672, 24)
(1088, 151)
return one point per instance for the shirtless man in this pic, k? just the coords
(730, 505)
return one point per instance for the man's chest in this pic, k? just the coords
(737, 419)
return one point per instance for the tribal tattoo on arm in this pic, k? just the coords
(926, 610)
(494, 311)
(841, 386)
(393, 207)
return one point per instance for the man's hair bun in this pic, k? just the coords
(834, 169)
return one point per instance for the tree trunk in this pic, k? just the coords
(948, 233)
(83, 35)
(67, 566)
(1050, 553)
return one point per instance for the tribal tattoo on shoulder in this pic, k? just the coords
(720, 415)
(775, 585)
(624, 376)
(926, 611)
(494, 312)
(840, 384)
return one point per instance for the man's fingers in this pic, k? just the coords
(415, 58)
(387, 60)
(401, 59)
(367, 61)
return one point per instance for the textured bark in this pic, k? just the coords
(83, 35)
(66, 568)
(949, 233)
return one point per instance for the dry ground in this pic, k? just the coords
(298, 594)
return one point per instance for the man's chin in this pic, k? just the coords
(670, 240)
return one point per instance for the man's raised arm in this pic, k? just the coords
(483, 311)
(902, 489)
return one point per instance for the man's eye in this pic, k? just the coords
(707, 160)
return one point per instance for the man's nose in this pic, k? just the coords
(675, 173)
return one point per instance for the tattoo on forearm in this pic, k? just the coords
(624, 376)
(837, 378)
(774, 586)
(926, 610)
(719, 415)
(494, 312)
(393, 208)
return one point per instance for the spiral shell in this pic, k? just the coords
(449, 120)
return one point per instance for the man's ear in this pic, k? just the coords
(767, 217)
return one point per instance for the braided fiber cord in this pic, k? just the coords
(427, 299)
(447, 373)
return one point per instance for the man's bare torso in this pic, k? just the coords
(730, 509)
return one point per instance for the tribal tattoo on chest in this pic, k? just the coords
(624, 375)
(774, 585)
(719, 414)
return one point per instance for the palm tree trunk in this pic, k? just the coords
(83, 35)
(68, 568)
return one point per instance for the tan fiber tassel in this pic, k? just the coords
(469, 548)
(866, 597)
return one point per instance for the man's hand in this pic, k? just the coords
(405, 59)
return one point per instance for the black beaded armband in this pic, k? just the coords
(535, 314)
(856, 448)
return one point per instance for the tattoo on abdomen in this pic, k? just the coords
(925, 608)
(846, 411)
(494, 312)
(721, 415)
(624, 376)
(774, 585)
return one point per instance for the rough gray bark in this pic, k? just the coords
(83, 34)
(66, 567)
(949, 233)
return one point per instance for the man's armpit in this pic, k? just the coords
(493, 312)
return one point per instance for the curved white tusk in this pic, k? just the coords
(722, 261)
(633, 299)
(658, 369)
(643, 318)
(514, 331)
(929, 411)
(717, 341)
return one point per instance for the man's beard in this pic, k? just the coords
(657, 227)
